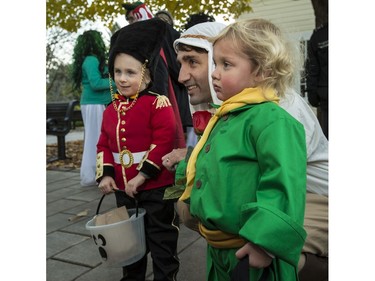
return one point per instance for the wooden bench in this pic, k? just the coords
(77, 118)
(59, 123)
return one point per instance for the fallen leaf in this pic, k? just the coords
(79, 215)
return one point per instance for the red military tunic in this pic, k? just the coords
(144, 130)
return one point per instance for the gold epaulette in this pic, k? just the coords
(161, 101)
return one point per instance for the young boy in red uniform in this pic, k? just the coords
(138, 129)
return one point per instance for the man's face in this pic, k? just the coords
(130, 18)
(194, 75)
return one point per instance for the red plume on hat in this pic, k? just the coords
(141, 40)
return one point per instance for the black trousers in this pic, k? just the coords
(161, 229)
(315, 268)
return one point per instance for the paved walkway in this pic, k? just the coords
(72, 254)
(76, 134)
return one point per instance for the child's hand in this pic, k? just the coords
(258, 257)
(107, 185)
(133, 184)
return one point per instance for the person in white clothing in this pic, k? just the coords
(316, 142)
(194, 53)
(315, 249)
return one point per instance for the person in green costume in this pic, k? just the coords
(90, 76)
(259, 215)
(195, 56)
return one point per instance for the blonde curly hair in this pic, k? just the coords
(276, 59)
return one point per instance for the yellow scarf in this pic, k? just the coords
(247, 96)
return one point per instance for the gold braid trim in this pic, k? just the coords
(139, 167)
(99, 165)
(194, 36)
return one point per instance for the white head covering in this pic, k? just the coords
(197, 36)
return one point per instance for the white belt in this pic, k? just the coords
(127, 158)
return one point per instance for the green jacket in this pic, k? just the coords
(95, 88)
(251, 181)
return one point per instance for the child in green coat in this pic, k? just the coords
(246, 177)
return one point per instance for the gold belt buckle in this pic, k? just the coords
(131, 158)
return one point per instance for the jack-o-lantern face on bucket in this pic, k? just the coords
(100, 241)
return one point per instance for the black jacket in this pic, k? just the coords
(317, 67)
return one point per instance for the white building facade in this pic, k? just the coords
(295, 17)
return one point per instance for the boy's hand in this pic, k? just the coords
(107, 185)
(132, 185)
(258, 257)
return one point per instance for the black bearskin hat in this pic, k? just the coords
(198, 18)
(142, 40)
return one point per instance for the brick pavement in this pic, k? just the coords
(72, 254)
